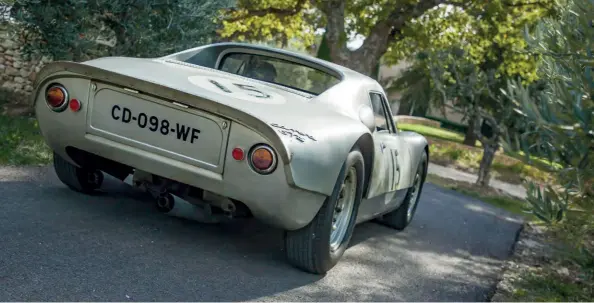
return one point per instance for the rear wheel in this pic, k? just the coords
(317, 247)
(79, 179)
(401, 217)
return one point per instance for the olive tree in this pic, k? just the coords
(476, 94)
(79, 29)
(561, 119)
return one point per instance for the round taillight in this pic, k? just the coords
(262, 159)
(56, 97)
(238, 154)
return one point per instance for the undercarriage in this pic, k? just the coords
(181, 200)
(171, 197)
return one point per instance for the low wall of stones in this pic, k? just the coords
(17, 73)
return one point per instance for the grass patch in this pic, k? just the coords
(549, 286)
(446, 149)
(433, 132)
(441, 134)
(21, 142)
(467, 158)
(490, 195)
(567, 275)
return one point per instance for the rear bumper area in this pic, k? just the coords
(269, 197)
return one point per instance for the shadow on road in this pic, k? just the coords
(59, 245)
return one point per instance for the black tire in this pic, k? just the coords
(398, 218)
(309, 248)
(79, 179)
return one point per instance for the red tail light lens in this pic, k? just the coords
(56, 97)
(263, 159)
(74, 105)
(237, 154)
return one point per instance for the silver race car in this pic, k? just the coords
(237, 130)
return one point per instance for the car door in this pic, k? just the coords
(386, 169)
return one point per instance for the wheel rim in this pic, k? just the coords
(341, 216)
(414, 195)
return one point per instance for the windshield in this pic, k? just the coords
(278, 71)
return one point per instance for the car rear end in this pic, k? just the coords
(117, 128)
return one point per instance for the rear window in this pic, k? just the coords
(278, 71)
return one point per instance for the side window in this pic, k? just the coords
(382, 120)
(390, 119)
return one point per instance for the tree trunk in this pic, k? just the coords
(365, 65)
(484, 174)
(412, 108)
(382, 33)
(470, 137)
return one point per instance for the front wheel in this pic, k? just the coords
(400, 218)
(317, 247)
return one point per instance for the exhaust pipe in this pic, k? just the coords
(165, 203)
(175, 206)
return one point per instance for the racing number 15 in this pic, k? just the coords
(249, 88)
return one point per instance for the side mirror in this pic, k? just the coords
(367, 117)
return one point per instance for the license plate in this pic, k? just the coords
(193, 137)
(155, 124)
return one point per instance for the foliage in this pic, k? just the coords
(562, 120)
(266, 20)
(418, 91)
(79, 29)
(473, 90)
(488, 32)
(323, 50)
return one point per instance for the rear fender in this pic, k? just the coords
(315, 165)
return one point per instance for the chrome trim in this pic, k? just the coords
(251, 162)
(64, 105)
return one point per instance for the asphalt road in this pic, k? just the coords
(58, 245)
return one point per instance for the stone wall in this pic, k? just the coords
(17, 73)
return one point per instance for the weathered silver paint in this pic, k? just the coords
(366, 116)
(311, 134)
